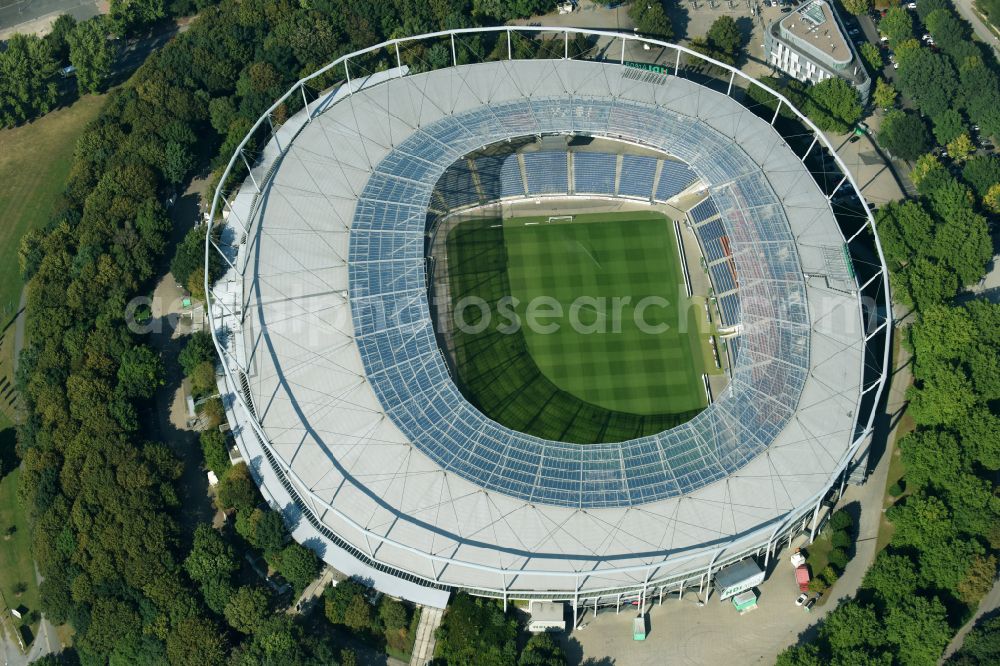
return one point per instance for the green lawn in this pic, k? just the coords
(574, 385)
(35, 160)
(638, 360)
(16, 563)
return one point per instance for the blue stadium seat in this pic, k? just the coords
(547, 172)
(594, 173)
(637, 176)
(675, 177)
(703, 211)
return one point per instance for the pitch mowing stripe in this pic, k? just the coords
(628, 254)
(499, 375)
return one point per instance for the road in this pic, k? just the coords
(965, 8)
(34, 16)
(987, 604)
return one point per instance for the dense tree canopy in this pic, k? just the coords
(92, 53)
(27, 86)
(723, 40)
(930, 80)
(858, 7)
(650, 18)
(477, 631)
(903, 134)
(897, 24)
(833, 104)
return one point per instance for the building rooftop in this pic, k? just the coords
(814, 28)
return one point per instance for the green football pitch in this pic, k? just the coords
(606, 347)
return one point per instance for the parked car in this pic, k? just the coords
(911, 5)
(809, 604)
(801, 599)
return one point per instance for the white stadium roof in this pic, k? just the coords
(358, 422)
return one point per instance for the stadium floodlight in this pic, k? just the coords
(343, 404)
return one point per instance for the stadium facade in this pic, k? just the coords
(340, 398)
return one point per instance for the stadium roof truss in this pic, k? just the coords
(341, 400)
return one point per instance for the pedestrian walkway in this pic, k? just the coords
(313, 591)
(423, 646)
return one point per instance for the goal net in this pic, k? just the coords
(555, 219)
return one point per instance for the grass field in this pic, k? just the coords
(625, 255)
(16, 563)
(34, 163)
(592, 381)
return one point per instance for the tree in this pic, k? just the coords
(892, 577)
(903, 134)
(267, 530)
(858, 7)
(203, 379)
(140, 372)
(906, 230)
(27, 88)
(477, 631)
(196, 642)
(918, 626)
(57, 38)
(981, 173)
(724, 39)
(211, 557)
(189, 259)
(358, 615)
(960, 148)
(963, 239)
(929, 79)
(947, 126)
(992, 199)
(541, 650)
(91, 53)
(650, 18)
(177, 162)
(393, 614)
(897, 24)
(945, 564)
(833, 104)
(801, 655)
(873, 58)
(247, 609)
(947, 30)
(111, 621)
(214, 451)
(945, 396)
(237, 490)
(198, 349)
(297, 564)
(126, 15)
(905, 49)
(337, 599)
(852, 626)
(920, 520)
(885, 94)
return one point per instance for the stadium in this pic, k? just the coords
(411, 439)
